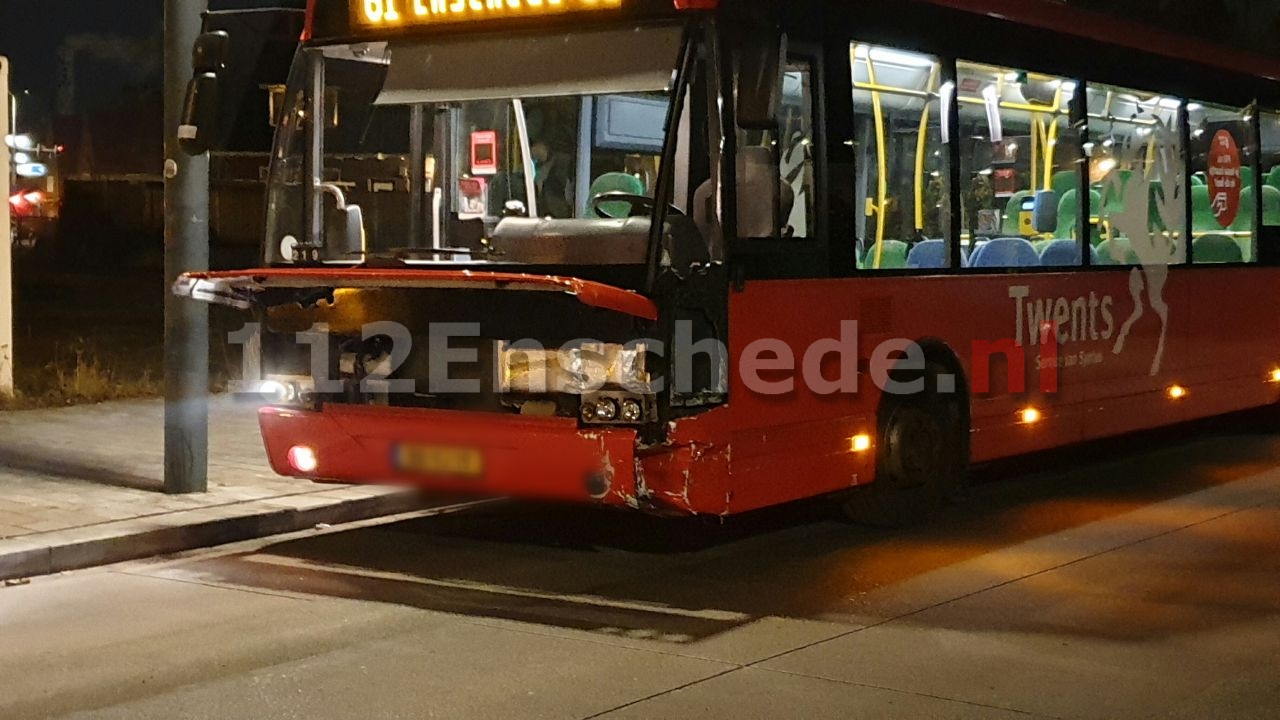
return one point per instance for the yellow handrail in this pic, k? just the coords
(1037, 133)
(1004, 105)
(882, 183)
(1051, 147)
(873, 87)
(921, 148)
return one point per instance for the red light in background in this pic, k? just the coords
(24, 204)
(697, 4)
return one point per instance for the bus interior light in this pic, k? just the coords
(889, 56)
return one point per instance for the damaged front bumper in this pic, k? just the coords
(484, 454)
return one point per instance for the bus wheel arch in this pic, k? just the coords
(922, 445)
(940, 354)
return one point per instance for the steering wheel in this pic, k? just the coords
(637, 205)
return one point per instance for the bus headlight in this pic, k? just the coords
(606, 410)
(632, 411)
(611, 408)
(296, 391)
(274, 392)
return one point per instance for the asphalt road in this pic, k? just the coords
(1138, 579)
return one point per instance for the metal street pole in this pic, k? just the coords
(186, 248)
(6, 249)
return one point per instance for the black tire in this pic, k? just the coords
(921, 457)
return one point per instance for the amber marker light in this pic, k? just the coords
(861, 443)
(1177, 392)
(1030, 416)
(1275, 376)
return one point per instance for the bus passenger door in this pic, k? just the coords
(790, 440)
(779, 233)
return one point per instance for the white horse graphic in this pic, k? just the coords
(1155, 247)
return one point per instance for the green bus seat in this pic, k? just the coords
(1246, 248)
(1215, 248)
(1270, 209)
(892, 257)
(1012, 225)
(1202, 218)
(1155, 193)
(1068, 210)
(619, 183)
(1117, 252)
(1113, 197)
(1063, 182)
(1273, 178)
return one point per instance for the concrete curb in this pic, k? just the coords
(109, 543)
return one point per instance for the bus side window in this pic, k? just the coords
(796, 162)
(784, 182)
(1137, 176)
(903, 166)
(1223, 209)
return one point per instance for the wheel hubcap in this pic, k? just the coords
(917, 447)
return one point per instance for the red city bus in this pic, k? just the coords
(585, 250)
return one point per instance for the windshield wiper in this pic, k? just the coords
(400, 255)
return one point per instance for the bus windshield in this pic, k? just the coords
(438, 144)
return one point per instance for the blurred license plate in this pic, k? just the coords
(439, 460)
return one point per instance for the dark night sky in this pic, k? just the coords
(30, 34)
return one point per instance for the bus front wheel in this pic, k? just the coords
(921, 458)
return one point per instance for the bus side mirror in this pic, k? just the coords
(200, 112)
(760, 72)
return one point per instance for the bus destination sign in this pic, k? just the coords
(410, 13)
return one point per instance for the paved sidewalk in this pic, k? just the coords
(82, 486)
